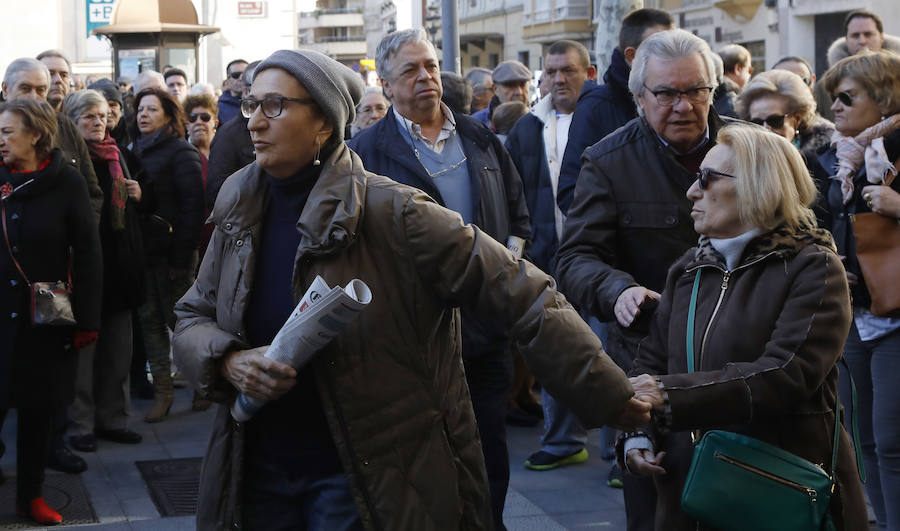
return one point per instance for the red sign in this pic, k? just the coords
(251, 9)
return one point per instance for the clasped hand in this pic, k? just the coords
(631, 301)
(257, 376)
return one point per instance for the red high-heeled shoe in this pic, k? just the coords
(40, 512)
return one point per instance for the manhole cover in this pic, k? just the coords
(63, 492)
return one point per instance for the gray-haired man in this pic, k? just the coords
(463, 166)
(630, 218)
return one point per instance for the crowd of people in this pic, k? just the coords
(661, 251)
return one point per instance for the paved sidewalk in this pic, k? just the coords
(569, 498)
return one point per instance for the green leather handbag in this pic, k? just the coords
(740, 483)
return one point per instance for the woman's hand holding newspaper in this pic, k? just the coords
(257, 376)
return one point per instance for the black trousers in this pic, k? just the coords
(32, 446)
(490, 379)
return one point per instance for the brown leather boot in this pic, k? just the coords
(163, 396)
(199, 403)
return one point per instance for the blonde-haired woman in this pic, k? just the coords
(772, 313)
(781, 101)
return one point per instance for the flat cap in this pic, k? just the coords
(511, 72)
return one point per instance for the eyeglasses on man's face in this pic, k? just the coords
(704, 174)
(668, 97)
(272, 105)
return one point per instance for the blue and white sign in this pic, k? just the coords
(99, 13)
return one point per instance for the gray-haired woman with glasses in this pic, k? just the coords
(173, 207)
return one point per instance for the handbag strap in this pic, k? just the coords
(692, 314)
(8, 248)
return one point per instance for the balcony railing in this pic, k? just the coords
(341, 38)
(336, 11)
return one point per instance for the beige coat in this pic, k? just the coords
(392, 385)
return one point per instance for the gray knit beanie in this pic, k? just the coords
(336, 88)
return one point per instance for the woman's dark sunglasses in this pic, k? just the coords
(703, 176)
(845, 98)
(205, 116)
(775, 121)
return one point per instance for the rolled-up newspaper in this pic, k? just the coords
(320, 315)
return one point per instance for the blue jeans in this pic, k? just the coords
(563, 432)
(875, 366)
(274, 501)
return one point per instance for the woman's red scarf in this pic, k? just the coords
(107, 150)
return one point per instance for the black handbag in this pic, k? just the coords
(740, 483)
(50, 302)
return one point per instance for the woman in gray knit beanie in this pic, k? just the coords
(335, 88)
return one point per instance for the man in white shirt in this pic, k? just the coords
(536, 144)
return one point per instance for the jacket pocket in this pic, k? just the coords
(647, 215)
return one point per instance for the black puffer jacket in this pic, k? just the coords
(44, 219)
(123, 250)
(230, 151)
(172, 204)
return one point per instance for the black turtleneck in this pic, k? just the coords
(289, 434)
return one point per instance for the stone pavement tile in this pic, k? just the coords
(107, 507)
(518, 505)
(613, 520)
(114, 526)
(176, 523)
(566, 501)
(181, 450)
(532, 523)
(140, 508)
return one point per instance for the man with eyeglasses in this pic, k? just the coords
(630, 217)
(231, 148)
(230, 100)
(463, 166)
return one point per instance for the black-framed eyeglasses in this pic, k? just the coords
(272, 106)
(668, 97)
(235, 75)
(704, 173)
(845, 98)
(203, 116)
(775, 121)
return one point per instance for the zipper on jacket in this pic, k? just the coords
(726, 276)
(809, 491)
